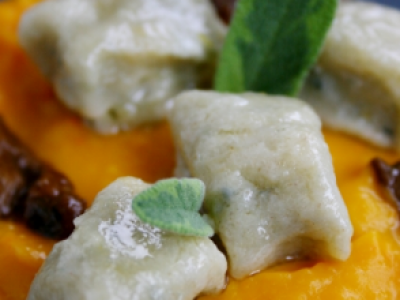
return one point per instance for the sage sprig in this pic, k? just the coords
(272, 44)
(173, 205)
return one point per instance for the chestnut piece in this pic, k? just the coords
(44, 197)
(52, 205)
(18, 169)
(12, 185)
(225, 9)
(24, 158)
(389, 177)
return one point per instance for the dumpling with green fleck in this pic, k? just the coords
(355, 85)
(270, 184)
(112, 255)
(117, 62)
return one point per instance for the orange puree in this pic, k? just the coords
(91, 161)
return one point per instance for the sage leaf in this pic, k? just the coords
(173, 205)
(272, 44)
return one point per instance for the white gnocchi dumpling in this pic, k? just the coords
(117, 62)
(355, 87)
(112, 255)
(270, 184)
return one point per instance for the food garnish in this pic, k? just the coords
(388, 176)
(225, 9)
(272, 44)
(173, 205)
(52, 205)
(19, 167)
(33, 190)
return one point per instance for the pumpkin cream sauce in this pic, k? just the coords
(92, 161)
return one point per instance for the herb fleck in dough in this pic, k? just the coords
(270, 185)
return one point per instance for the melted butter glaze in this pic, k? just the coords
(128, 236)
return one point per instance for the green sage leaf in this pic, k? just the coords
(272, 44)
(173, 205)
